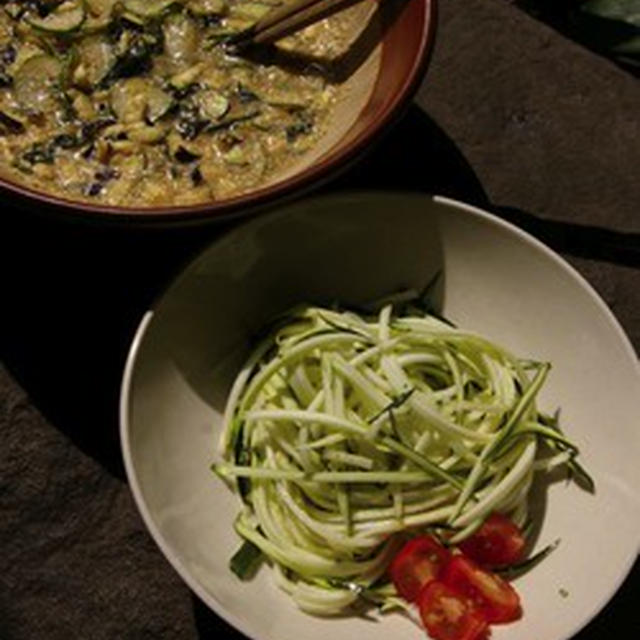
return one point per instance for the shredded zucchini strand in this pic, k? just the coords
(347, 432)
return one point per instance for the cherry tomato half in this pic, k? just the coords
(496, 599)
(419, 561)
(448, 616)
(498, 542)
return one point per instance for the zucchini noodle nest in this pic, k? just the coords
(346, 432)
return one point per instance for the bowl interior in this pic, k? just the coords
(384, 51)
(495, 280)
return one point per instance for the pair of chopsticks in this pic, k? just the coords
(284, 20)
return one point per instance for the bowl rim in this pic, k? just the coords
(297, 184)
(140, 333)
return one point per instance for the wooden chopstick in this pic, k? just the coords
(287, 19)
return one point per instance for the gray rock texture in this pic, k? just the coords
(511, 116)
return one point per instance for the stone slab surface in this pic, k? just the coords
(511, 116)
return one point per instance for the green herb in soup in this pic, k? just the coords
(136, 103)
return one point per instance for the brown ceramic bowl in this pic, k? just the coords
(381, 71)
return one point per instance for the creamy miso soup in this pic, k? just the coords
(140, 103)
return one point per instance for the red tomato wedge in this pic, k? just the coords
(448, 616)
(418, 562)
(496, 599)
(498, 542)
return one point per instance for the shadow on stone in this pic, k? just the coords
(416, 155)
(211, 627)
(70, 308)
(583, 241)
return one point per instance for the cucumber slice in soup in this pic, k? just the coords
(36, 85)
(66, 18)
(136, 99)
(129, 99)
(207, 7)
(26, 50)
(181, 40)
(97, 58)
(159, 103)
(252, 10)
(147, 8)
(100, 7)
(212, 104)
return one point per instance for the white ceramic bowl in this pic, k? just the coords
(497, 280)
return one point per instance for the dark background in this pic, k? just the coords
(512, 116)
